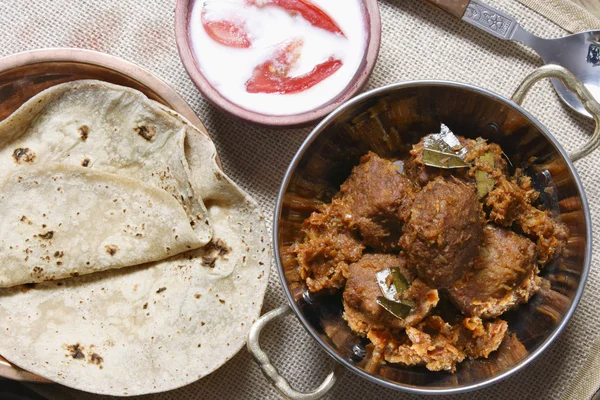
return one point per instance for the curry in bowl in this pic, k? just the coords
(429, 250)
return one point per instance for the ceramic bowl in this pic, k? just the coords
(182, 14)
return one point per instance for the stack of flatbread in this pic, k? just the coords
(129, 263)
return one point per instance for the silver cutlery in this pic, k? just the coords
(579, 53)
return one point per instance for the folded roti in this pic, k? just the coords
(59, 220)
(157, 326)
(116, 131)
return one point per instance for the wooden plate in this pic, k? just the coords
(24, 75)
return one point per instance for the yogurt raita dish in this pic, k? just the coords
(279, 57)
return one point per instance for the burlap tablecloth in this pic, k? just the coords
(418, 42)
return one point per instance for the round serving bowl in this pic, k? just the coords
(183, 11)
(388, 121)
(26, 74)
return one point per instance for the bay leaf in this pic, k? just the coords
(392, 283)
(398, 309)
(443, 150)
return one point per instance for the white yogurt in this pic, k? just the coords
(228, 68)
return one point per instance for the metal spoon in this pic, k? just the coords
(579, 53)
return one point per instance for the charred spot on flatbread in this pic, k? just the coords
(75, 351)
(84, 132)
(46, 235)
(111, 249)
(209, 260)
(214, 250)
(85, 162)
(23, 154)
(146, 131)
(96, 359)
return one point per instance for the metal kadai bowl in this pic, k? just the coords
(388, 121)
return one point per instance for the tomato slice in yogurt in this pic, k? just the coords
(226, 32)
(309, 11)
(272, 75)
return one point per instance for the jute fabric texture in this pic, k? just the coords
(418, 42)
(565, 13)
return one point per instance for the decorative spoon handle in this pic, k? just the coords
(490, 20)
(480, 15)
